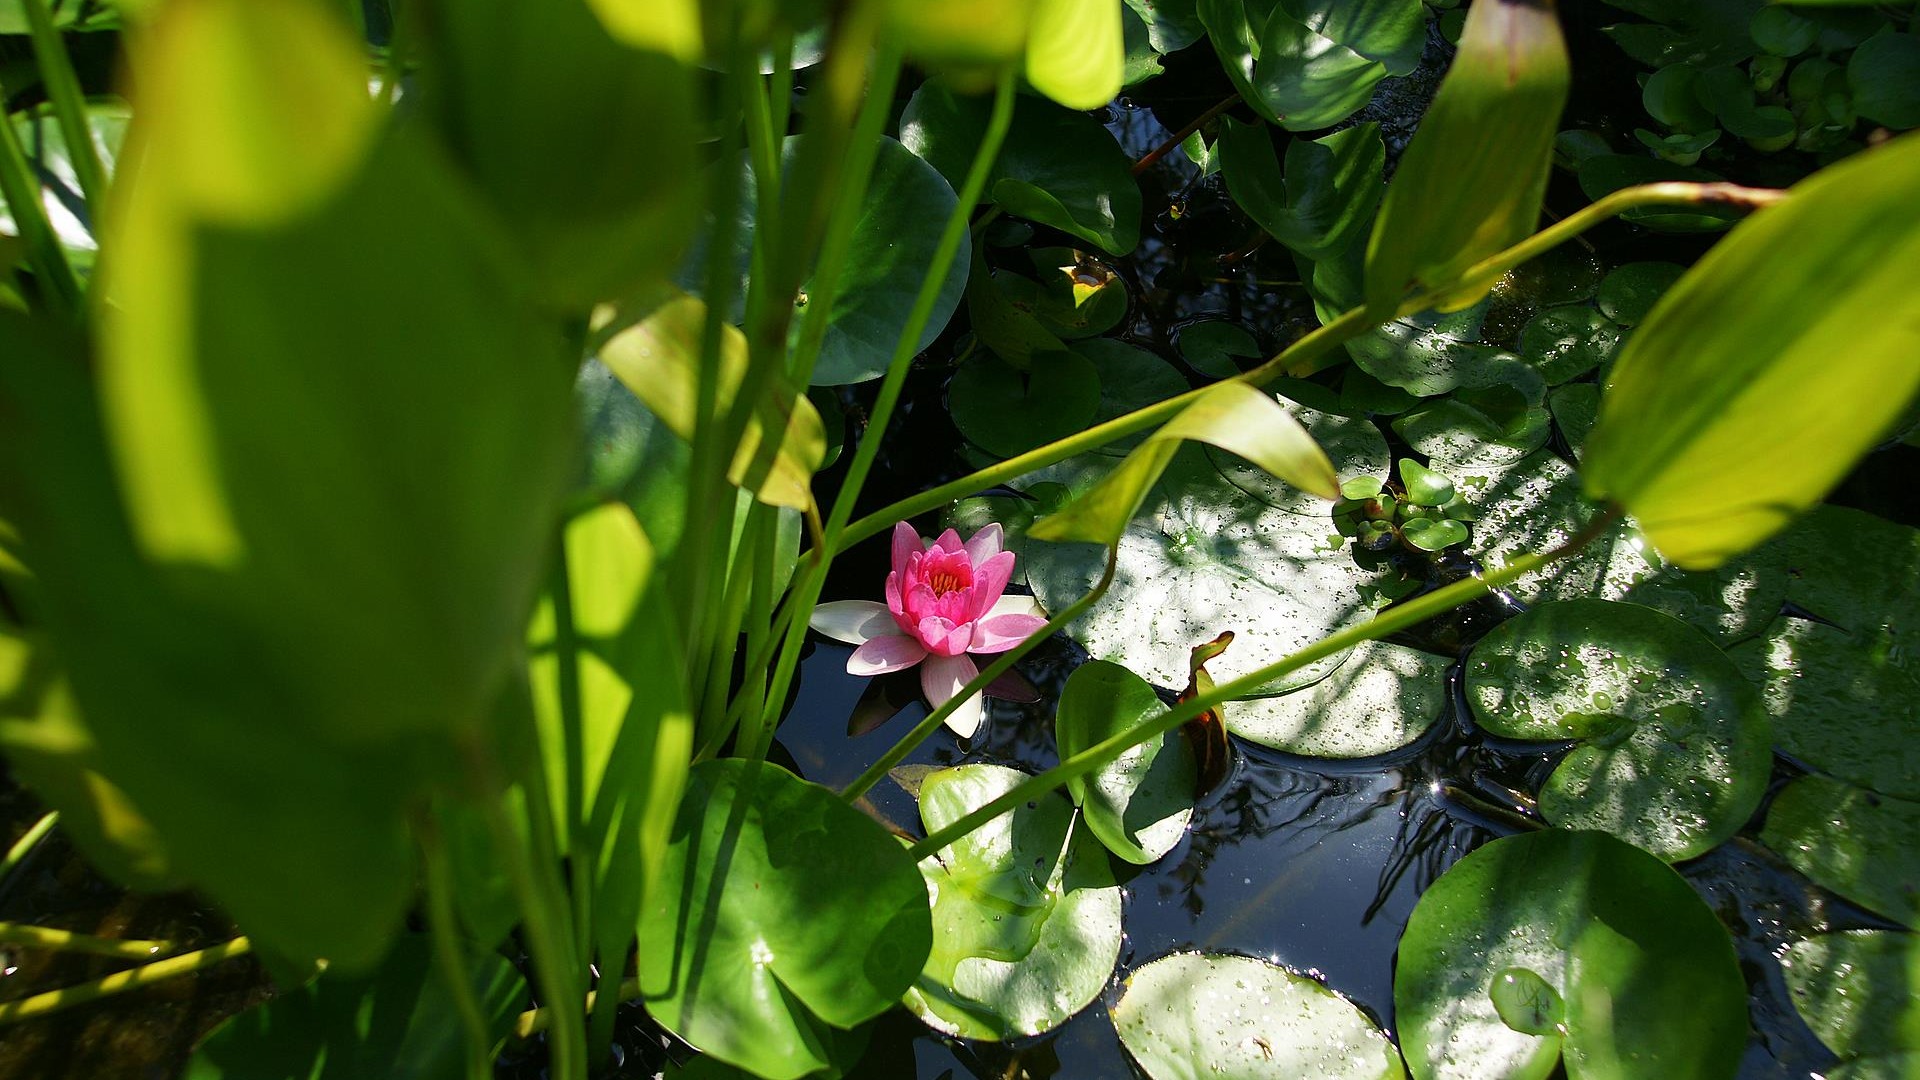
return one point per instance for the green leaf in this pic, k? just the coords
(1677, 753)
(1855, 989)
(1076, 297)
(1427, 354)
(1210, 347)
(1027, 914)
(1232, 416)
(1604, 174)
(659, 359)
(1328, 195)
(1139, 803)
(629, 455)
(1677, 440)
(593, 173)
(1075, 53)
(1884, 75)
(1778, 30)
(968, 37)
(1200, 559)
(1354, 443)
(1495, 417)
(1383, 698)
(67, 15)
(1189, 1015)
(1472, 179)
(1828, 691)
(1172, 24)
(1629, 293)
(893, 245)
(1057, 167)
(397, 1023)
(749, 982)
(1851, 841)
(1308, 64)
(1009, 412)
(1526, 1003)
(46, 149)
(1646, 972)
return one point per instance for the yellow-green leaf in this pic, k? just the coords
(1075, 54)
(668, 26)
(659, 360)
(1764, 374)
(1471, 181)
(1230, 415)
(967, 33)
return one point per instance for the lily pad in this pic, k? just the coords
(1198, 559)
(1574, 406)
(1677, 753)
(1027, 914)
(1426, 354)
(1210, 347)
(1567, 342)
(1648, 976)
(1139, 804)
(1057, 167)
(1354, 445)
(749, 982)
(1008, 412)
(1859, 990)
(1382, 699)
(1223, 1017)
(1836, 706)
(1534, 506)
(1630, 291)
(1494, 417)
(1072, 299)
(1824, 552)
(1732, 602)
(1130, 378)
(1852, 841)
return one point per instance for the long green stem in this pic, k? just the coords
(807, 591)
(534, 1021)
(69, 105)
(21, 190)
(29, 840)
(46, 937)
(122, 982)
(925, 728)
(449, 956)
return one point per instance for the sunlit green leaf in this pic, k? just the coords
(659, 360)
(1232, 416)
(1384, 697)
(1855, 989)
(1646, 972)
(1139, 803)
(1675, 442)
(1074, 51)
(1851, 841)
(1327, 196)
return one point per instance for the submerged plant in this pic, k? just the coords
(945, 599)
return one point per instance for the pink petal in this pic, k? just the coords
(989, 581)
(955, 607)
(918, 603)
(883, 654)
(949, 541)
(943, 637)
(853, 621)
(1003, 632)
(905, 542)
(986, 543)
(940, 679)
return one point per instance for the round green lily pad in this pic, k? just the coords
(1824, 552)
(1425, 354)
(1493, 418)
(1008, 412)
(1354, 445)
(1026, 913)
(1852, 841)
(1630, 291)
(1130, 378)
(750, 982)
(1856, 990)
(1677, 753)
(1536, 505)
(1067, 312)
(1575, 407)
(1138, 804)
(1837, 705)
(1200, 558)
(1566, 342)
(1383, 698)
(1210, 347)
(1214, 1016)
(1731, 602)
(1647, 974)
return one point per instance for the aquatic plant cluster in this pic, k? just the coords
(429, 428)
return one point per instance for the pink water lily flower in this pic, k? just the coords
(944, 600)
